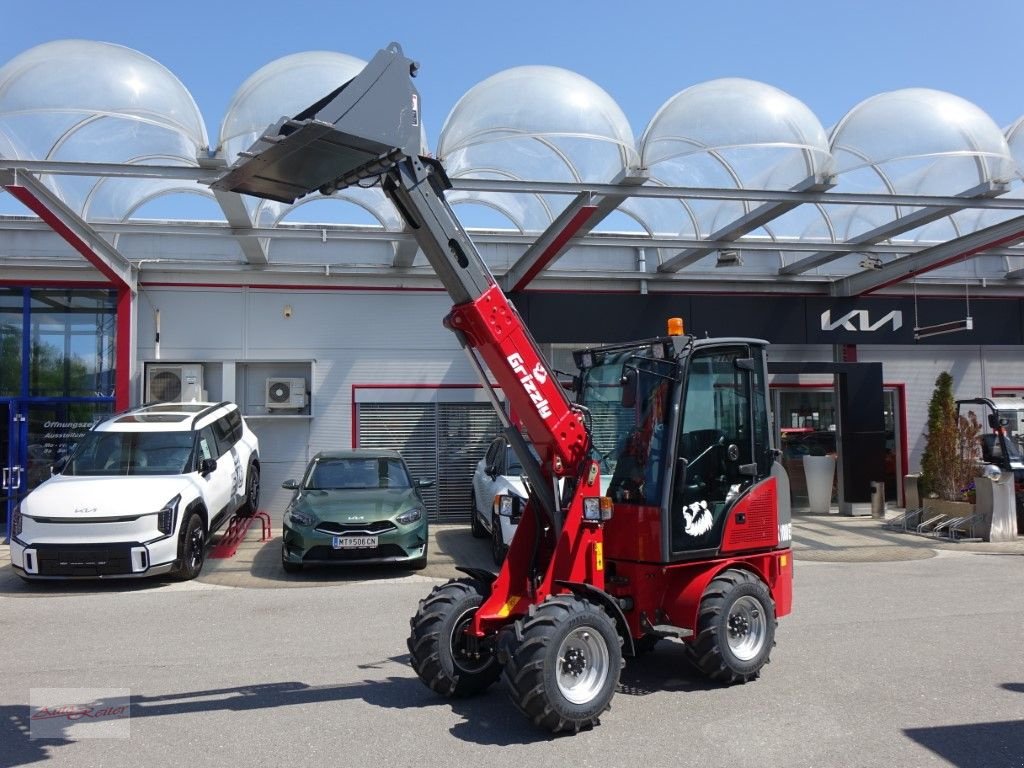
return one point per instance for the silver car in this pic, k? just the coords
(498, 473)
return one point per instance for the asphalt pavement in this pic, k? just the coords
(901, 651)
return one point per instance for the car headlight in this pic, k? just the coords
(410, 516)
(299, 516)
(167, 517)
(16, 522)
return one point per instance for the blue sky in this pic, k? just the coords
(830, 55)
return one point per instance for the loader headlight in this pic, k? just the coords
(597, 509)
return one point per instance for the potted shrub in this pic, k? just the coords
(951, 452)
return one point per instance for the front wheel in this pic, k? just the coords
(563, 670)
(192, 548)
(475, 526)
(735, 629)
(446, 660)
(498, 547)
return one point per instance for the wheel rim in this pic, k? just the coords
(461, 656)
(195, 548)
(748, 627)
(583, 665)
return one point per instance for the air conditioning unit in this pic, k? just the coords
(182, 383)
(283, 394)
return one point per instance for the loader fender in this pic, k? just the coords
(609, 603)
(480, 574)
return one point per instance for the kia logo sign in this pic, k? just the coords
(860, 320)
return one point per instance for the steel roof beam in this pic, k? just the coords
(897, 226)
(584, 213)
(746, 224)
(405, 250)
(238, 217)
(36, 196)
(208, 175)
(1004, 233)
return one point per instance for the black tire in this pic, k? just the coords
(564, 665)
(419, 563)
(191, 548)
(735, 628)
(252, 492)
(498, 546)
(437, 650)
(479, 532)
(290, 567)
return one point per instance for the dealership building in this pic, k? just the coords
(873, 256)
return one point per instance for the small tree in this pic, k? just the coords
(951, 451)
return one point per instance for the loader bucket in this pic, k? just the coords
(356, 132)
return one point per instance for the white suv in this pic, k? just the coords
(140, 495)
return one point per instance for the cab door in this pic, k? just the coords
(723, 444)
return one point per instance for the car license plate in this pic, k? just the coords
(354, 542)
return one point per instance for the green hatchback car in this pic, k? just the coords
(358, 506)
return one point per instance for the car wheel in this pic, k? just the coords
(735, 629)
(474, 519)
(288, 566)
(192, 548)
(252, 492)
(420, 562)
(498, 547)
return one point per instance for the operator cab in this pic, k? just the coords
(682, 427)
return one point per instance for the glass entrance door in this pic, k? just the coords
(808, 427)
(12, 470)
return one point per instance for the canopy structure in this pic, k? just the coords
(731, 179)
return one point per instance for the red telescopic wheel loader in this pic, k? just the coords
(656, 506)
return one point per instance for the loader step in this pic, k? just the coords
(668, 630)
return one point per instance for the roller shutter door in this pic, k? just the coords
(440, 441)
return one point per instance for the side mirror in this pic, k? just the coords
(58, 466)
(424, 483)
(491, 470)
(206, 466)
(993, 421)
(290, 485)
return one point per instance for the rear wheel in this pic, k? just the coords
(735, 629)
(252, 492)
(564, 666)
(439, 650)
(192, 548)
(475, 526)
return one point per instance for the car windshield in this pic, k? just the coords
(131, 453)
(356, 473)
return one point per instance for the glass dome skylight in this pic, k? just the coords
(534, 123)
(88, 101)
(914, 141)
(730, 133)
